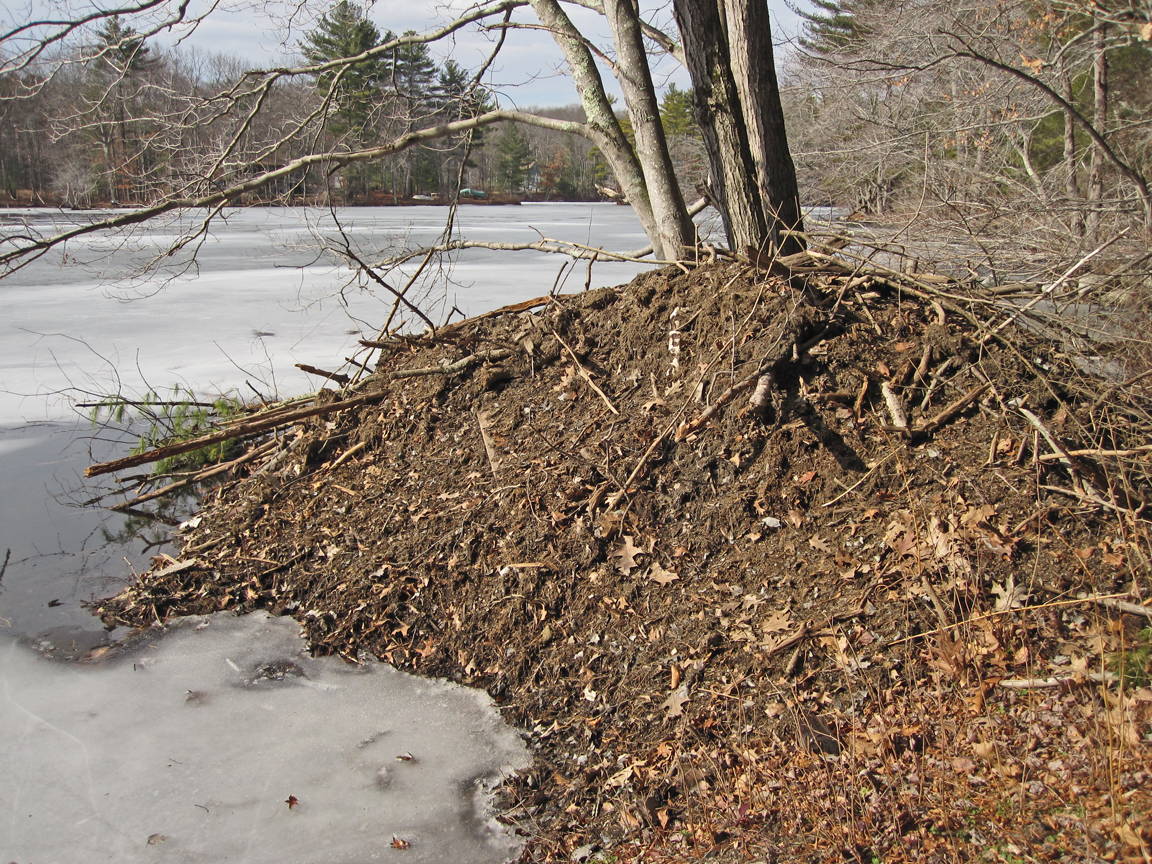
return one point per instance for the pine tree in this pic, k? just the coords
(512, 165)
(676, 112)
(346, 32)
(412, 70)
(836, 27)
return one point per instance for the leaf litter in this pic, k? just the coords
(788, 630)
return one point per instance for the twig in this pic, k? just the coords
(349, 453)
(1135, 451)
(955, 408)
(1058, 683)
(585, 374)
(871, 471)
(455, 367)
(338, 377)
(1049, 289)
(1122, 606)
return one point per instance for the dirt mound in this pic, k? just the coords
(749, 558)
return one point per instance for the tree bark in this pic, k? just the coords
(728, 48)
(1072, 187)
(631, 70)
(1100, 121)
(602, 124)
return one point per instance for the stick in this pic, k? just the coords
(242, 430)
(1135, 451)
(349, 453)
(196, 478)
(1056, 683)
(1129, 608)
(1048, 289)
(585, 374)
(453, 368)
(955, 408)
(895, 408)
(338, 377)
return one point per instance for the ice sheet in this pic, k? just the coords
(187, 749)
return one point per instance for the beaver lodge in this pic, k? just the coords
(813, 561)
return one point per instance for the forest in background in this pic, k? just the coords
(123, 122)
(1034, 113)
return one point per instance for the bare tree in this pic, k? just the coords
(240, 151)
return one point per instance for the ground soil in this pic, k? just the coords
(792, 631)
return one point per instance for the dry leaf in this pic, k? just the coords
(397, 843)
(627, 553)
(291, 801)
(986, 750)
(806, 477)
(1145, 32)
(156, 839)
(819, 544)
(796, 518)
(777, 622)
(676, 676)
(1012, 596)
(963, 766)
(674, 704)
(658, 574)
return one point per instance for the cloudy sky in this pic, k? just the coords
(528, 72)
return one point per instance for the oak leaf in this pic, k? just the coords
(626, 552)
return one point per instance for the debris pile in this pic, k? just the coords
(804, 559)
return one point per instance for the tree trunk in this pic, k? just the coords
(631, 70)
(1100, 121)
(728, 47)
(603, 126)
(1072, 187)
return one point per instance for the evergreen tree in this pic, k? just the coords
(676, 112)
(346, 32)
(835, 27)
(118, 55)
(512, 164)
(412, 70)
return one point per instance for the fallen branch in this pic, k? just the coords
(456, 367)
(338, 377)
(254, 453)
(1127, 608)
(242, 430)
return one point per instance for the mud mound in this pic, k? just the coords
(745, 556)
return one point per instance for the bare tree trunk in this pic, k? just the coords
(1100, 121)
(631, 69)
(604, 127)
(728, 47)
(1072, 187)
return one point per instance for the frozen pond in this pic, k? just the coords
(98, 758)
(190, 746)
(260, 296)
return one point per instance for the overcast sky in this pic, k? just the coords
(528, 71)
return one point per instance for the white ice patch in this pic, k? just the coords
(189, 747)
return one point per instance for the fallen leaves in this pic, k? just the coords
(626, 551)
